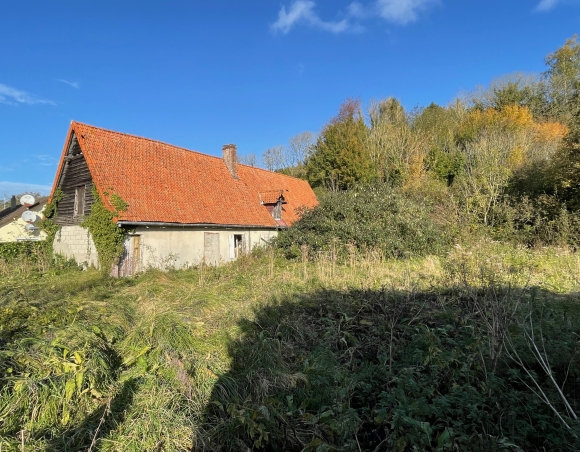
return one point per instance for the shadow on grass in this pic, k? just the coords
(99, 423)
(379, 370)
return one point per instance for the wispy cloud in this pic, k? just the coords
(399, 12)
(46, 160)
(402, 11)
(13, 96)
(14, 188)
(73, 84)
(546, 5)
(302, 11)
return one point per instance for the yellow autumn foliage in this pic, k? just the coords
(550, 131)
(513, 118)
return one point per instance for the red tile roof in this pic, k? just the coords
(272, 196)
(165, 183)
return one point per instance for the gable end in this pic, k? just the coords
(75, 180)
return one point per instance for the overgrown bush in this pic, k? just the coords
(368, 217)
(393, 370)
(543, 221)
(29, 249)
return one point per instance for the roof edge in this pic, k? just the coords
(205, 225)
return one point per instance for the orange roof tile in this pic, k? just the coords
(165, 183)
(271, 197)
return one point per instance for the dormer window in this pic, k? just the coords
(277, 210)
(273, 200)
(79, 208)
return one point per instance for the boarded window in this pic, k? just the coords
(79, 208)
(211, 248)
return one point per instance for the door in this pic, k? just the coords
(135, 254)
(211, 248)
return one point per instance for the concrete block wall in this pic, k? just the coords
(76, 242)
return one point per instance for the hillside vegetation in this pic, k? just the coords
(430, 302)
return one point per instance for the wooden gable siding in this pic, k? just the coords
(75, 174)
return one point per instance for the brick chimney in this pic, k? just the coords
(231, 159)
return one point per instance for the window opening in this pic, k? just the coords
(238, 245)
(79, 208)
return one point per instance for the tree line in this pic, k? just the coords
(507, 155)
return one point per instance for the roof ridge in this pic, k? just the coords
(182, 149)
(147, 139)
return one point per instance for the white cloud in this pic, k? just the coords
(302, 11)
(73, 84)
(14, 188)
(13, 96)
(546, 5)
(358, 10)
(402, 11)
(399, 12)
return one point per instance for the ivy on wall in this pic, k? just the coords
(47, 224)
(108, 237)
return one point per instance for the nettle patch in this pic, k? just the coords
(108, 237)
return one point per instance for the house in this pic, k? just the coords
(183, 207)
(14, 229)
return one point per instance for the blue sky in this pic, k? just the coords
(202, 73)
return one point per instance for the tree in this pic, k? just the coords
(299, 148)
(274, 158)
(521, 89)
(444, 160)
(397, 150)
(248, 159)
(566, 167)
(487, 171)
(340, 159)
(563, 76)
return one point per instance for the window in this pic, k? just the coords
(277, 210)
(79, 208)
(237, 245)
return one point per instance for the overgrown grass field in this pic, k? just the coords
(476, 349)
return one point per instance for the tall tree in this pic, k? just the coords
(340, 158)
(518, 88)
(566, 168)
(299, 148)
(397, 150)
(274, 158)
(439, 125)
(563, 77)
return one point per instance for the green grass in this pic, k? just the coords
(266, 353)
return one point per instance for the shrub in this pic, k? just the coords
(13, 250)
(368, 217)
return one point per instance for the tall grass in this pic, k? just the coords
(268, 353)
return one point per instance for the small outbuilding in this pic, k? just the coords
(181, 208)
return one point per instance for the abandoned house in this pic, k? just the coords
(182, 207)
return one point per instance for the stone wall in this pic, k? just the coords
(76, 242)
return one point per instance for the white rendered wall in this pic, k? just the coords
(175, 247)
(76, 242)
